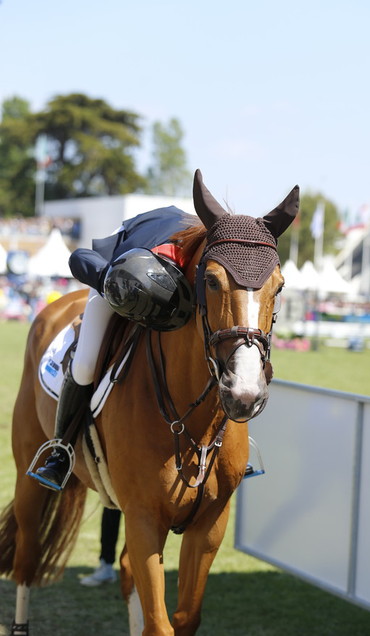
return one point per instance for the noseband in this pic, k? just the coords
(249, 337)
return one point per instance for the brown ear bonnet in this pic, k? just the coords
(244, 245)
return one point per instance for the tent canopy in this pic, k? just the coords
(310, 277)
(331, 281)
(327, 281)
(52, 258)
(292, 275)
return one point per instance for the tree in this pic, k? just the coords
(91, 147)
(17, 165)
(168, 173)
(302, 227)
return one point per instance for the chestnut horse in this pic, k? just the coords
(174, 432)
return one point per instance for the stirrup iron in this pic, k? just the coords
(51, 444)
(250, 471)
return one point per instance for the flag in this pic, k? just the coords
(317, 223)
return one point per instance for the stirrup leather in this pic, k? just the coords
(51, 444)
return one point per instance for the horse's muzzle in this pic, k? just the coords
(241, 400)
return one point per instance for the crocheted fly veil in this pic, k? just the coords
(245, 246)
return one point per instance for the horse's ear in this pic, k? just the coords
(282, 216)
(206, 206)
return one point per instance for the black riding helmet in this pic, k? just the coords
(148, 289)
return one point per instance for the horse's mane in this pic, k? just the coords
(190, 239)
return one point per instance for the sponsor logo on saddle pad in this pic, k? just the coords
(52, 368)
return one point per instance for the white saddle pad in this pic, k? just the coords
(51, 371)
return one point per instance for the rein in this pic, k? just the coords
(177, 427)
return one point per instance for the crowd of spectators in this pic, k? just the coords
(38, 226)
(22, 298)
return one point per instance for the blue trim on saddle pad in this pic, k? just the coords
(44, 481)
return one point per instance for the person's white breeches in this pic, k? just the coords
(94, 323)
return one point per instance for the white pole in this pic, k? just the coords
(41, 159)
(293, 252)
(40, 192)
(317, 228)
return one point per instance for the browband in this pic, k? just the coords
(243, 241)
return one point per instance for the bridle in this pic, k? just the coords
(249, 336)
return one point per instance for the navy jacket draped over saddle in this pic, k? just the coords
(148, 230)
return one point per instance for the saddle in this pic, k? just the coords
(114, 361)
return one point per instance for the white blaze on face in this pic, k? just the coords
(253, 310)
(246, 361)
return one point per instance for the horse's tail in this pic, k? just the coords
(57, 533)
(8, 529)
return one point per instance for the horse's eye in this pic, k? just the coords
(212, 282)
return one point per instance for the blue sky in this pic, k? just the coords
(269, 93)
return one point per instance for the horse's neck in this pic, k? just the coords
(187, 376)
(186, 368)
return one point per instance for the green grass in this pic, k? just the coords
(328, 367)
(244, 597)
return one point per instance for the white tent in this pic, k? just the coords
(3, 257)
(331, 281)
(327, 281)
(292, 275)
(310, 276)
(52, 258)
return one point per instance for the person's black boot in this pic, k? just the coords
(73, 398)
(57, 465)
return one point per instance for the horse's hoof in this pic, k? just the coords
(19, 629)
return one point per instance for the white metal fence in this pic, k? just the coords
(310, 513)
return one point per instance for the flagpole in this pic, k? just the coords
(318, 251)
(40, 192)
(41, 157)
(317, 230)
(294, 242)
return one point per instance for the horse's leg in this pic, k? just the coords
(130, 594)
(29, 501)
(198, 550)
(20, 623)
(46, 523)
(145, 538)
(28, 508)
(28, 505)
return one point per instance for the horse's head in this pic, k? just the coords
(238, 287)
